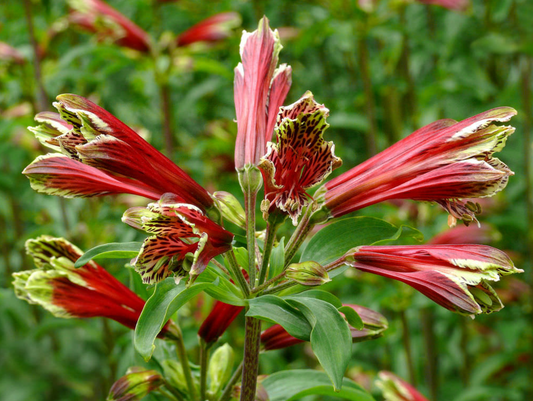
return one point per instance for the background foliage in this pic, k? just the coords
(382, 74)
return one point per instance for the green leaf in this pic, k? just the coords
(352, 317)
(295, 384)
(277, 259)
(114, 250)
(276, 310)
(331, 338)
(224, 291)
(334, 240)
(241, 254)
(164, 302)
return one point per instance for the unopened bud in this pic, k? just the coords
(230, 208)
(374, 324)
(250, 179)
(136, 384)
(174, 374)
(308, 273)
(220, 367)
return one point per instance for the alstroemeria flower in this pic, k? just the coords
(300, 159)
(212, 29)
(135, 385)
(443, 162)
(9, 53)
(218, 320)
(396, 389)
(276, 337)
(178, 230)
(260, 90)
(454, 276)
(98, 17)
(101, 155)
(69, 292)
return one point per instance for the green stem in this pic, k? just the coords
(280, 288)
(268, 283)
(226, 394)
(237, 273)
(204, 355)
(252, 345)
(270, 236)
(184, 360)
(430, 350)
(406, 337)
(249, 203)
(298, 236)
(335, 264)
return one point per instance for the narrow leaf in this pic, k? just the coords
(277, 259)
(114, 250)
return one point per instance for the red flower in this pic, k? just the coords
(212, 29)
(218, 321)
(97, 16)
(260, 90)
(300, 159)
(101, 155)
(276, 337)
(454, 276)
(178, 230)
(443, 162)
(68, 292)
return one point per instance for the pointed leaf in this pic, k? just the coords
(331, 338)
(113, 250)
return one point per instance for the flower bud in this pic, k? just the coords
(220, 367)
(308, 273)
(394, 388)
(135, 385)
(250, 179)
(374, 324)
(174, 374)
(231, 208)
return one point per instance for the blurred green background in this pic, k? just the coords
(382, 73)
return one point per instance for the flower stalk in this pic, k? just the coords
(252, 346)
(272, 227)
(181, 352)
(204, 363)
(236, 273)
(299, 235)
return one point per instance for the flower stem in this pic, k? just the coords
(298, 236)
(252, 343)
(204, 355)
(270, 236)
(250, 181)
(268, 283)
(280, 287)
(226, 394)
(406, 337)
(236, 273)
(184, 361)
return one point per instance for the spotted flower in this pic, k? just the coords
(183, 239)
(446, 162)
(97, 154)
(300, 159)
